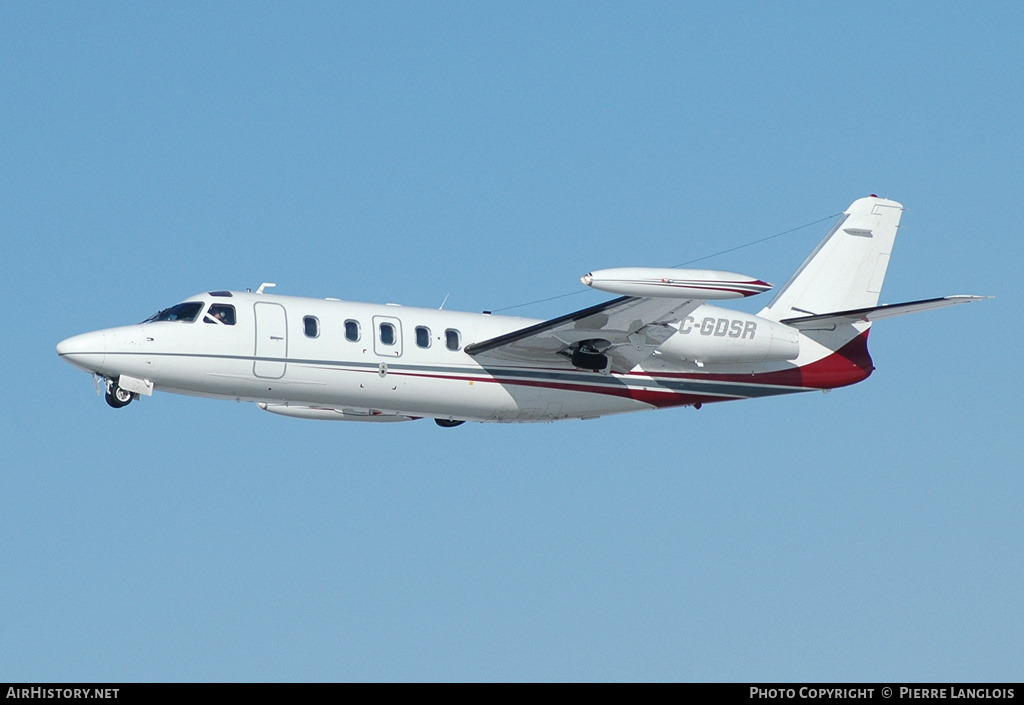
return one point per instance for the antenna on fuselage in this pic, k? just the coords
(441, 307)
(264, 285)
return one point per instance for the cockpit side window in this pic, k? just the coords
(220, 313)
(188, 312)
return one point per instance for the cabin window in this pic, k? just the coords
(452, 339)
(188, 312)
(351, 330)
(422, 336)
(311, 326)
(387, 334)
(220, 313)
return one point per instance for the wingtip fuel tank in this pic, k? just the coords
(704, 284)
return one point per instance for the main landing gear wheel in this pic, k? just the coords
(448, 423)
(117, 397)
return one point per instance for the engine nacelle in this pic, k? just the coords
(704, 284)
(717, 335)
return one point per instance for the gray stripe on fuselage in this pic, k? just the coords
(514, 375)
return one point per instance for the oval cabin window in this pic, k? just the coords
(352, 331)
(311, 326)
(452, 339)
(422, 336)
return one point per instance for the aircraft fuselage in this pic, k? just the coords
(331, 359)
(660, 344)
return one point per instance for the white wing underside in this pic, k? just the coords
(629, 329)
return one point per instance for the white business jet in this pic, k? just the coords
(659, 344)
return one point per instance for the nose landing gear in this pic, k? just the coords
(117, 397)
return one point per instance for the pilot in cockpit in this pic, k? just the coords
(221, 313)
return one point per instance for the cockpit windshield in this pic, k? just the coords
(187, 311)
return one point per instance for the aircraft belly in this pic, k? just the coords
(555, 404)
(423, 393)
(466, 393)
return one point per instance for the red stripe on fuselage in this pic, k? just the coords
(654, 397)
(847, 365)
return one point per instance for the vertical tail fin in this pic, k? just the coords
(847, 268)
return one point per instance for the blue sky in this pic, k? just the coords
(407, 151)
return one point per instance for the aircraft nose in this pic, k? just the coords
(86, 351)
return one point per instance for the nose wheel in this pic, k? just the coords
(116, 396)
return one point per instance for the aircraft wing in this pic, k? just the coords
(627, 329)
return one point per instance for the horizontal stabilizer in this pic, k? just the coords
(828, 321)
